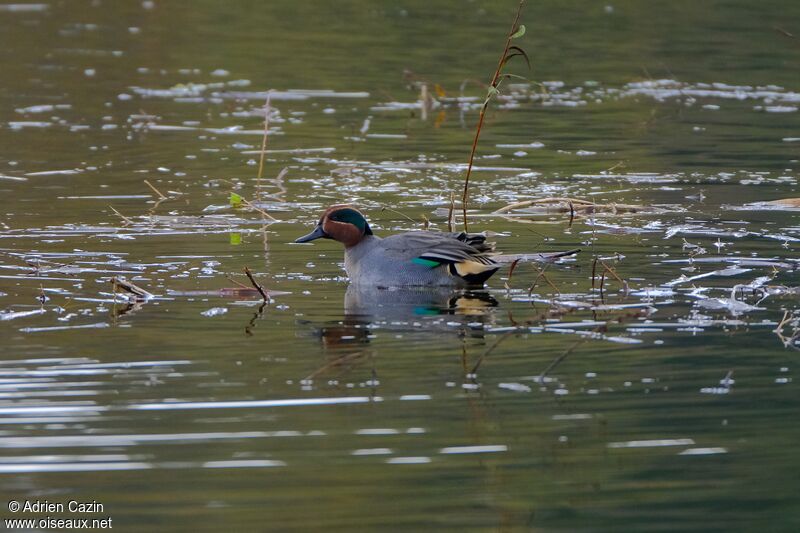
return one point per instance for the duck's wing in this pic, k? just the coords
(476, 240)
(472, 263)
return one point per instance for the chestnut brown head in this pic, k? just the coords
(343, 223)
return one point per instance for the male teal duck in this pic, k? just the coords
(411, 259)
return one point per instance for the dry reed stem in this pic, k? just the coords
(263, 142)
(602, 283)
(450, 213)
(511, 273)
(493, 84)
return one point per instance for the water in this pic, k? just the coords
(664, 403)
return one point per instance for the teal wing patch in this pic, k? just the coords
(425, 262)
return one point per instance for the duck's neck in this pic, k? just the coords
(354, 254)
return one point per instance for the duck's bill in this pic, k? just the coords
(316, 234)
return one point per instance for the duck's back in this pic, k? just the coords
(420, 258)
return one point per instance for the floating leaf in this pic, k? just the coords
(519, 33)
(236, 239)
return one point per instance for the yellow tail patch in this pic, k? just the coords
(471, 268)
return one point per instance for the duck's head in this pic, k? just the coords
(343, 223)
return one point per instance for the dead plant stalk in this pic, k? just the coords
(263, 146)
(515, 31)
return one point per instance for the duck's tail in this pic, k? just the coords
(472, 272)
(543, 257)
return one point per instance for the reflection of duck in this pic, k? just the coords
(347, 342)
(371, 303)
(414, 258)
(398, 309)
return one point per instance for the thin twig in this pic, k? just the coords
(258, 287)
(542, 275)
(387, 208)
(155, 190)
(615, 276)
(254, 208)
(120, 215)
(571, 213)
(511, 273)
(602, 283)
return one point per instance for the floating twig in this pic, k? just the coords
(120, 215)
(139, 293)
(161, 196)
(249, 204)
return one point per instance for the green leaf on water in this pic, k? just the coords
(519, 33)
(236, 239)
(236, 200)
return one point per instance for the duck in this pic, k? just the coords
(410, 259)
